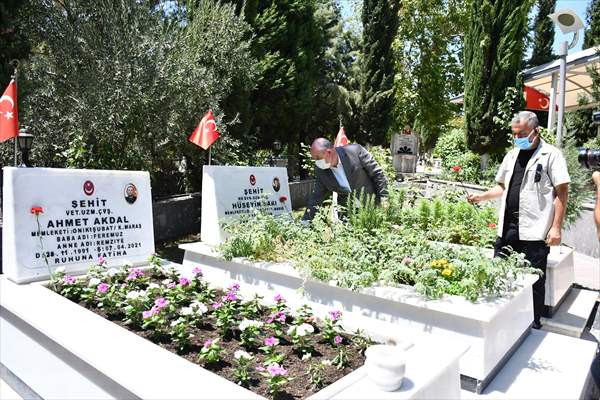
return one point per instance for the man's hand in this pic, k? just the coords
(596, 179)
(474, 198)
(553, 237)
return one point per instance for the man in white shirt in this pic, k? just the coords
(533, 181)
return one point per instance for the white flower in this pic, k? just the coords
(60, 270)
(134, 294)
(153, 286)
(326, 362)
(112, 271)
(166, 281)
(242, 354)
(307, 356)
(301, 330)
(176, 322)
(247, 323)
(198, 307)
(186, 311)
(94, 282)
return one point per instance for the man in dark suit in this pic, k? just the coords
(343, 170)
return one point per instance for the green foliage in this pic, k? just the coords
(580, 188)
(380, 24)
(428, 51)
(493, 52)
(398, 248)
(452, 149)
(543, 36)
(592, 33)
(13, 44)
(383, 157)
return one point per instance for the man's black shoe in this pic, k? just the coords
(536, 325)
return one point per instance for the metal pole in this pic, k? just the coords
(209, 154)
(561, 97)
(552, 106)
(14, 76)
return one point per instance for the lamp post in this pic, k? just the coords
(568, 22)
(25, 142)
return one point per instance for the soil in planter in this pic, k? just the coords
(299, 387)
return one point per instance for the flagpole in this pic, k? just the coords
(14, 76)
(209, 154)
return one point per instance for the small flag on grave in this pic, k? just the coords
(9, 116)
(341, 139)
(206, 132)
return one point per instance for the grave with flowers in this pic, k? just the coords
(146, 328)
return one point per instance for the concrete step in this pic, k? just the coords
(571, 317)
(7, 393)
(546, 366)
(587, 271)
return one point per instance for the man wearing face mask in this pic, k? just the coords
(344, 170)
(533, 181)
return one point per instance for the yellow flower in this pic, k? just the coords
(447, 272)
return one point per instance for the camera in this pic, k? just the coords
(589, 158)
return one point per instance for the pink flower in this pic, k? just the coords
(184, 281)
(492, 225)
(197, 271)
(279, 298)
(337, 339)
(69, 280)
(281, 317)
(271, 341)
(171, 285)
(260, 369)
(456, 168)
(208, 343)
(234, 287)
(134, 274)
(150, 313)
(276, 370)
(407, 260)
(101, 260)
(230, 297)
(102, 288)
(217, 305)
(161, 303)
(335, 315)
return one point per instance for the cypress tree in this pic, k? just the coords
(493, 58)
(380, 24)
(592, 33)
(543, 36)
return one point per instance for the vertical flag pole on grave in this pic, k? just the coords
(14, 76)
(9, 111)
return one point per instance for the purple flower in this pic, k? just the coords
(184, 281)
(217, 305)
(101, 260)
(271, 341)
(134, 274)
(281, 317)
(335, 315)
(230, 297)
(149, 313)
(69, 280)
(161, 303)
(276, 370)
(279, 298)
(102, 288)
(208, 343)
(234, 287)
(197, 271)
(171, 285)
(337, 339)
(260, 369)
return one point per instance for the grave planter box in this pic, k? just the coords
(492, 328)
(62, 350)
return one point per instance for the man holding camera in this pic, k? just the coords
(533, 183)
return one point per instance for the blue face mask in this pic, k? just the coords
(523, 143)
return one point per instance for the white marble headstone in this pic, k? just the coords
(86, 214)
(230, 192)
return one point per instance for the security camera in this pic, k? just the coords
(567, 21)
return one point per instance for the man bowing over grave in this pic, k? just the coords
(343, 170)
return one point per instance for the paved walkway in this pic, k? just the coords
(6, 392)
(587, 271)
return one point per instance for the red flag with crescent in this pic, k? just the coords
(536, 100)
(341, 139)
(9, 116)
(206, 132)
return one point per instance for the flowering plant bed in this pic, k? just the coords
(269, 349)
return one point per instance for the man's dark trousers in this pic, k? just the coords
(536, 252)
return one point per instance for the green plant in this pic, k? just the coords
(316, 372)
(243, 368)
(211, 351)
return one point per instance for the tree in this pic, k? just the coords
(493, 59)
(543, 36)
(13, 45)
(380, 24)
(428, 65)
(116, 85)
(592, 33)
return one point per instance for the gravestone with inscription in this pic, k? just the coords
(67, 217)
(404, 149)
(230, 192)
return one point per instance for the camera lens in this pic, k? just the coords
(589, 158)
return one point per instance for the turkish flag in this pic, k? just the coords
(206, 132)
(341, 139)
(536, 100)
(9, 116)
